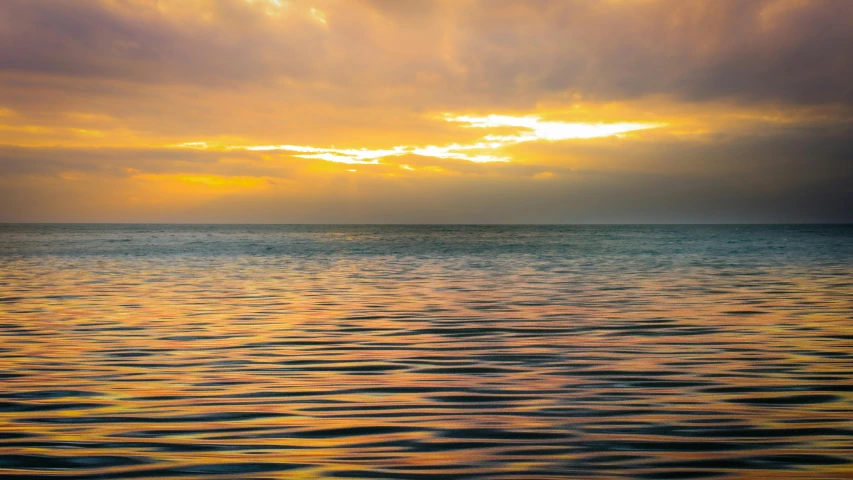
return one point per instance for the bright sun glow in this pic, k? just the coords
(537, 129)
(353, 156)
(487, 149)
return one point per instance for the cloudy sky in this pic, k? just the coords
(458, 111)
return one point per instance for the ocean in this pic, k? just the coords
(426, 352)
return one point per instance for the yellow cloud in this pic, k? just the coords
(221, 183)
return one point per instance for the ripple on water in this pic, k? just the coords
(426, 352)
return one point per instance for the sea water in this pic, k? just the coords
(272, 351)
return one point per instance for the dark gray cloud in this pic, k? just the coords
(750, 50)
(455, 52)
(587, 198)
(139, 43)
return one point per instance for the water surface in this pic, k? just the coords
(426, 352)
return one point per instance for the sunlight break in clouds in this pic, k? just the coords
(349, 155)
(547, 130)
(483, 151)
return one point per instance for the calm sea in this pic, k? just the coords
(426, 352)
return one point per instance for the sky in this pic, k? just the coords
(458, 111)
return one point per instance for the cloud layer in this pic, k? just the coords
(447, 111)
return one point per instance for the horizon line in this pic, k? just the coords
(442, 224)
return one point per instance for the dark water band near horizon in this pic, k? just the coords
(426, 352)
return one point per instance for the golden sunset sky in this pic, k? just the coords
(392, 111)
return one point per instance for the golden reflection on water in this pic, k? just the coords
(403, 367)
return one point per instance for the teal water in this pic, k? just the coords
(731, 244)
(251, 351)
